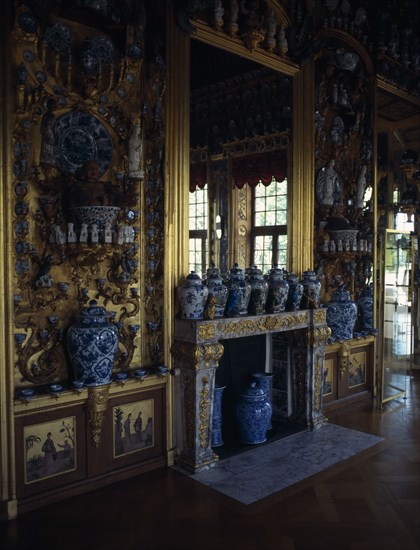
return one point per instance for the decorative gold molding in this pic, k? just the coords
(197, 356)
(97, 405)
(203, 414)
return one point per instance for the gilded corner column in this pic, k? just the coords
(197, 364)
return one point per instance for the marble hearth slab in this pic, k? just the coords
(267, 469)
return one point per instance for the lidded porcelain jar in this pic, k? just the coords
(253, 414)
(92, 344)
(341, 315)
(193, 296)
(311, 290)
(365, 309)
(217, 289)
(278, 290)
(239, 292)
(259, 290)
(294, 296)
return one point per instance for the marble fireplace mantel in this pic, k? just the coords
(197, 350)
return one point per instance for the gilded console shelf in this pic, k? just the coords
(202, 331)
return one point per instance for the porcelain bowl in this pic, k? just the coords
(343, 235)
(99, 215)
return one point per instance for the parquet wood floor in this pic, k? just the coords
(370, 502)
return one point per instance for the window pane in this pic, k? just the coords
(263, 252)
(270, 225)
(198, 209)
(198, 224)
(282, 251)
(196, 255)
(270, 204)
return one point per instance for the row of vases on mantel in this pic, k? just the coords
(252, 411)
(247, 292)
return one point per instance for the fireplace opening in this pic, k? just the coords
(241, 358)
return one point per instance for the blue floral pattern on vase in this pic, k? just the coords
(341, 315)
(265, 381)
(193, 296)
(365, 309)
(217, 420)
(278, 290)
(259, 290)
(92, 346)
(294, 296)
(252, 414)
(311, 290)
(239, 292)
(217, 289)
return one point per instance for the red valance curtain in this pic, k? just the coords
(262, 167)
(198, 175)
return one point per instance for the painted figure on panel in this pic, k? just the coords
(49, 449)
(133, 435)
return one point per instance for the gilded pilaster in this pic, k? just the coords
(177, 184)
(8, 508)
(301, 221)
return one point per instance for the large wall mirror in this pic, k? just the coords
(240, 143)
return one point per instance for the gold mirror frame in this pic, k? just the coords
(300, 228)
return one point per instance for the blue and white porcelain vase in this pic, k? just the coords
(294, 296)
(259, 290)
(252, 415)
(217, 289)
(92, 344)
(265, 382)
(311, 290)
(239, 292)
(341, 315)
(193, 296)
(365, 309)
(217, 420)
(278, 290)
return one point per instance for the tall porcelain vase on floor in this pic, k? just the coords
(265, 382)
(217, 434)
(253, 412)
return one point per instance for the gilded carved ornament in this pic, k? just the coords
(51, 89)
(197, 356)
(318, 375)
(203, 414)
(97, 406)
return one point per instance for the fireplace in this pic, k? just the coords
(299, 343)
